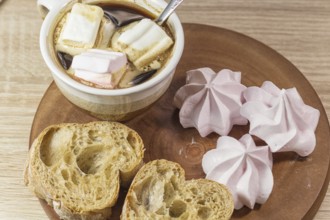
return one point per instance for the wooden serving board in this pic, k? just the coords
(300, 183)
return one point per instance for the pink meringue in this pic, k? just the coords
(280, 118)
(211, 101)
(243, 167)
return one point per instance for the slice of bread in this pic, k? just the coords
(159, 191)
(78, 168)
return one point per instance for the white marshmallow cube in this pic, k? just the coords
(107, 29)
(101, 67)
(142, 42)
(99, 61)
(82, 25)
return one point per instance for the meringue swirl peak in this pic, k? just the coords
(211, 101)
(246, 169)
(281, 118)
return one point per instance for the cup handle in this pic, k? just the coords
(44, 6)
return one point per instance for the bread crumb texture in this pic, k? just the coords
(160, 191)
(77, 168)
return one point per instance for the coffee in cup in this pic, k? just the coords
(111, 45)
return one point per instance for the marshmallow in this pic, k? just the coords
(81, 27)
(101, 67)
(102, 80)
(142, 41)
(99, 61)
(107, 29)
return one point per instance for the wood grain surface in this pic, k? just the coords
(298, 29)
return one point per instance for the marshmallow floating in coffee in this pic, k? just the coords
(106, 31)
(81, 27)
(101, 67)
(142, 41)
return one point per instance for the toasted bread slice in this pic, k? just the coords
(160, 191)
(78, 168)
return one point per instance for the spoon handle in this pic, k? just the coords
(168, 11)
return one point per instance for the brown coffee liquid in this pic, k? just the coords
(120, 14)
(126, 7)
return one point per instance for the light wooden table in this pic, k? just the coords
(298, 29)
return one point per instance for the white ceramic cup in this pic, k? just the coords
(116, 104)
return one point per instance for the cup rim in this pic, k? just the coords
(171, 64)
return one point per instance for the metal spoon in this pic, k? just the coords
(125, 16)
(168, 11)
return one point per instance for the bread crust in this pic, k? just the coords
(160, 191)
(78, 168)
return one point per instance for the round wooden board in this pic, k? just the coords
(300, 183)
